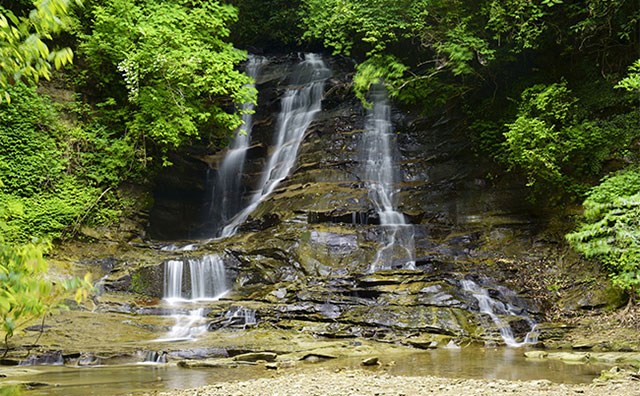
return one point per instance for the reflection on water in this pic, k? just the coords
(120, 380)
(503, 363)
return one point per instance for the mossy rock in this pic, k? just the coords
(592, 295)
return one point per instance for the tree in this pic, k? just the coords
(171, 61)
(555, 147)
(24, 53)
(430, 50)
(25, 292)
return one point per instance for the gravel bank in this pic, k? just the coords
(361, 383)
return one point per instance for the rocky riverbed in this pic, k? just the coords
(361, 382)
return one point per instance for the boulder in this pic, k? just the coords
(372, 361)
(255, 356)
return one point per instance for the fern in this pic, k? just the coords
(611, 228)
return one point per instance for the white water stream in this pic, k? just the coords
(493, 308)
(208, 283)
(226, 190)
(380, 177)
(208, 278)
(299, 107)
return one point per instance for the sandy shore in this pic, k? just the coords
(360, 383)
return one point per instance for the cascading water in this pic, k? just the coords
(380, 178)
(242, 317)
(173, 280)
(153, 357)
(493, 307)
(226, 185)
(187, 327)
(208, 278)
(299, 107)
(208, 283)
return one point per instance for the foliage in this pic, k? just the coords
(611, 228)
(376, 70)
(518, 21)
(553, 147)
(408, 42)
(266, 23)
(53, 176)
(632, 82)
(174, 65)
(25, 292)
(10, 390)
(343, 24)
(468, 40)
(24, 54)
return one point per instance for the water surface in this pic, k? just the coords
(471, 362)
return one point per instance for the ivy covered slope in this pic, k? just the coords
(149, 77)
(53, 174)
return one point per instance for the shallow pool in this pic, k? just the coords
(500, 363)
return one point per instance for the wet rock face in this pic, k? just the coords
(444, 181)
(304, 254)
(179, 196)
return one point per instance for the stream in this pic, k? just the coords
(469, 362)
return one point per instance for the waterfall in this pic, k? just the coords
(299, 107)
(186, 327)
(208, 278)
(239, 316)
(380, 178)
(208, 283)
(492, 307)
(153, 357)
(225, 186)
(173, 280)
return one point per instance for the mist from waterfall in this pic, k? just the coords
(380, 178)
(300, 105)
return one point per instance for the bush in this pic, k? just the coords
(168, 66)
(611, 228)
(557, 150)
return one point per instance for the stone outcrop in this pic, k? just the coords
(303, 255)
(301, 261)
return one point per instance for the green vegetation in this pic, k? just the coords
(53, 174)
(24, 53)
(611, 228)
(556, 147)
(632, 82)
(151, 77)
(165, 68)
(26, 294)
(549, 88)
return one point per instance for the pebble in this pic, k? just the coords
(362, 382)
